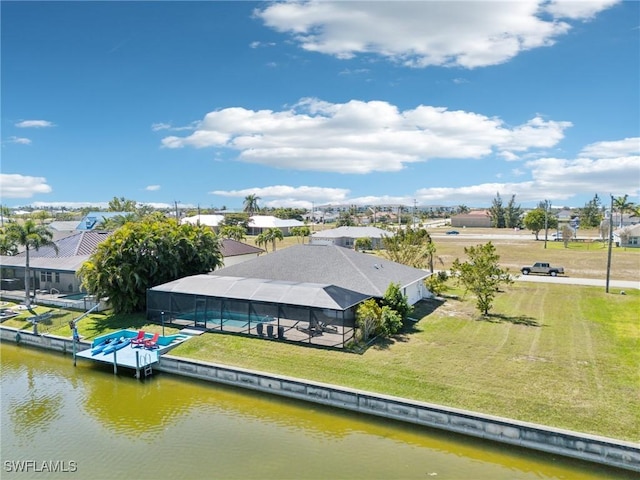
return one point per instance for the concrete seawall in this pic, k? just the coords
(592, 448)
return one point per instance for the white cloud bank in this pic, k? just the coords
(35, 124)
(22, 186)
(363, 137)
(466, 34)
(616, 170)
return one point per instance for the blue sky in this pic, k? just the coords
(303, 103)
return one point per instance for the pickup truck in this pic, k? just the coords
(543, 268)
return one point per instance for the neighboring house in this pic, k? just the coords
(59, 271)
(475, 218)
(309, 293)
(628, 236)
(92, 219)
(259, 223)
(212, 221)
(50, 270)
(237, 252)
(347, 236)
(565, 216)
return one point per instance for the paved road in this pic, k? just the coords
(579, 281)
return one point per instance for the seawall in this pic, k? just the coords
(592, 448)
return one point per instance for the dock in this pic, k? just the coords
(136, 357)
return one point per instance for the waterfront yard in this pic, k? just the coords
(560, 355)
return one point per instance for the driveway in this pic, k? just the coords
(595, 282)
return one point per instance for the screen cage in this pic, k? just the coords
(292, 323)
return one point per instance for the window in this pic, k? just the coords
(48, 277)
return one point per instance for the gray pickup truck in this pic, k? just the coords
(542, 268)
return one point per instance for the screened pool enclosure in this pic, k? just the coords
(310, 313)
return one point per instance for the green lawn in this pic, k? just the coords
(559, 355)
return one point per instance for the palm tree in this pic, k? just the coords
(251, 204)
(261, 240)
(302, 232)
(622, 206)
(273, 234)
(30, 236)
(234, 232)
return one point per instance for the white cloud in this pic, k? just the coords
(362, 137)
(576, 9)
(19, 140)
(628, 146)
(152, 188)
(35, 124)
(551, 178)
(288, 196)
(71, 205)
(21, 186)
(421, 34)
(167, 126)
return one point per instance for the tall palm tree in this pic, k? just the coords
(31, 237)
(273, 234)
(622, 205)
(251, 204)
(261, 240)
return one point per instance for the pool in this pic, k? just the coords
(73, 296)
(231, 320)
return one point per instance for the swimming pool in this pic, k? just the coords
(231, 320)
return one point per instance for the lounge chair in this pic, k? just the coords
(140, 339)
(152, 342)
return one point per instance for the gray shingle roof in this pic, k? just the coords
(327, 265)
(274, 291)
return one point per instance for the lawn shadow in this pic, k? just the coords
(110, 322)
(516, 320)
(422, 309)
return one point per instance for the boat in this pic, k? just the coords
(101, 346)
(117, 345)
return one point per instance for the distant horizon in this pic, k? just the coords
(104, 206)
(331, 102)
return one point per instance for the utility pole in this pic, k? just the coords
(177, 218)
(546, 222)
(610, 245)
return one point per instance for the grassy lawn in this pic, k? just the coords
(559, 355)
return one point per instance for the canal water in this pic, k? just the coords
(61, 421)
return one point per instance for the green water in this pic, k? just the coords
(90, 424)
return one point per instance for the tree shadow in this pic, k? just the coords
(516, 320)
(117, 322)
(422, 309)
